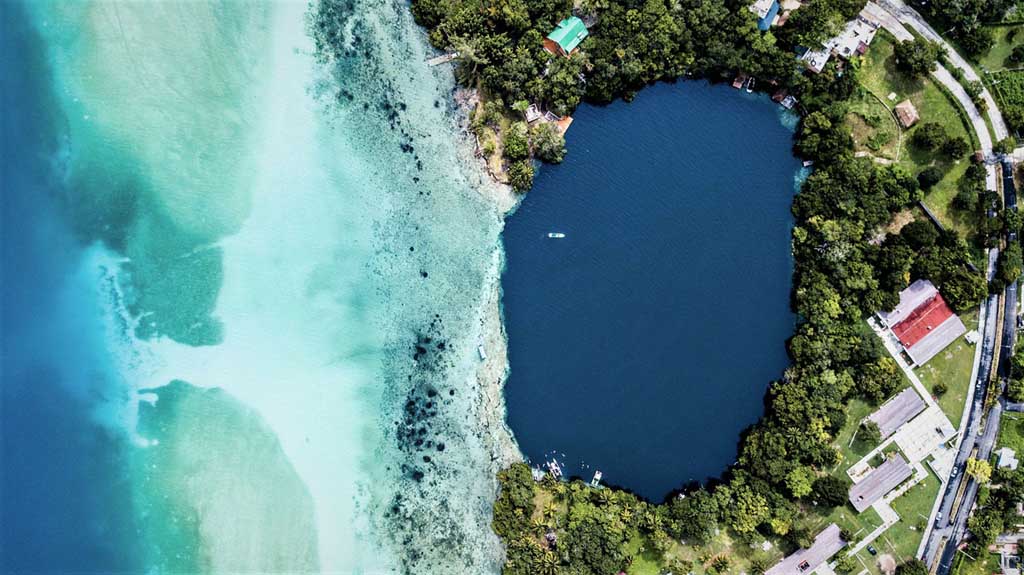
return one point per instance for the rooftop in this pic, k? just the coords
(910, 298)
(936, 340)
(897, 411)
(762, 7)
(918, 324)
(854, 39)
(826, 544)
(569, 33)
(922, 322)
(882, 480)
(1007, 458)
(907, 113)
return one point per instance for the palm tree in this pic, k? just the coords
(550, 509)
(469, 60)
(548, 564)
(560, 491)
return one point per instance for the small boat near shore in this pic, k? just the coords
(556, 235)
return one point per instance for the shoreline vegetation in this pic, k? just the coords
(849, 261)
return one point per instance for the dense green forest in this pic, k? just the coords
(842, 272)
(965, 21)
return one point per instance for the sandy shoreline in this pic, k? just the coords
(489, 409)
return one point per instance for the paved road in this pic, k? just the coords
(955, 532)
(942, 529)
(958, 529)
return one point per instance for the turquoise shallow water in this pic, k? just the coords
(256, 259)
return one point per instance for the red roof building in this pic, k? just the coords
(922, 322)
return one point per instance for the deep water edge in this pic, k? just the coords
(643, 343)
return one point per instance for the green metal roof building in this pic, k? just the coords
(566, 37)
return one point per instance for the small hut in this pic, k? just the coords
(907, 113)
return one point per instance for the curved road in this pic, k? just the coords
(896, 17)
(910, 17)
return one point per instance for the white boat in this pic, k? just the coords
(481, 352)
(556, 235)
(750, 85)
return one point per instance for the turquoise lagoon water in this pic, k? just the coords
(242, 287)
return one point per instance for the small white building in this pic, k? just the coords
(1007, 459)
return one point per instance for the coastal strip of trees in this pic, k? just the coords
(845, 264)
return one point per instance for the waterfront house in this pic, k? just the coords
(853, 40)
(565, 39)
(533, 113)
(766, 11)
(906, 113)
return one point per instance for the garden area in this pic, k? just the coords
(1005, 38)
(1007, 87)
(951, 370)
(884, 86)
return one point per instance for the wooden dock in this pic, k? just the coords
(442, 59)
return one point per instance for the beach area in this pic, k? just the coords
(288, 259)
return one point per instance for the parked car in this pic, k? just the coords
(872, 550)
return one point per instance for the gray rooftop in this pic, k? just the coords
(826, 544)
(879, 482)
(937, 340)
(910, 299)
(897, 411)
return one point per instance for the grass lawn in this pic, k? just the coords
(984, 566)
(875, 131)
(878, 74)
(996, 57)
(646, 562)
(913, 507)
(740, 555)
(953, 367)
(1011, 432)
(857, 410)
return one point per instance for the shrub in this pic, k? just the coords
(956, 147)
(929, 135)
(548, 143)
(520, 175)
(517, 147)
(916, 57)
(1017, 55)
(929, 177)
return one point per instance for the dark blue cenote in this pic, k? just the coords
(643, 342)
